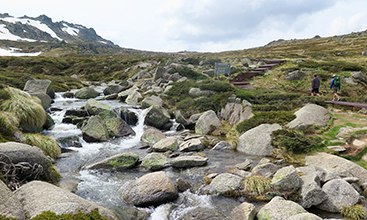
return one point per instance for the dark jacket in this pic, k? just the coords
(315, 83)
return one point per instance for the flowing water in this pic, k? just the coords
(107, 188)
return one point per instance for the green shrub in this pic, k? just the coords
(216, 86)
(48, 215)
(294, 141)
(189, 73)
(267, 100)
(356, 212)
(270, 117)
(215, 103)
(47, 144)
(332, 66)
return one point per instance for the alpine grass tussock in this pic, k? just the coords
(8, 124)
(355, 212)
(47, 144)
(29, 112)
(256, 185)
(16, 93)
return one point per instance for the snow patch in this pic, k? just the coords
(37, 24)
(6, 35)
(70, 30)
(13, 52)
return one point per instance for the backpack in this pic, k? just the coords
(337, 81)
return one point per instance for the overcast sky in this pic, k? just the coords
(200, 25)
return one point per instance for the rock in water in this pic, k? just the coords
(86, 93)
(38, 197)
(207, 122)
(36, 86)
(151, 189)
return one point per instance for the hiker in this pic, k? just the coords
(315, 86)
(335, 84)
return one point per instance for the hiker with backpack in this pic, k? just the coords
(315, 86)
(335, 85)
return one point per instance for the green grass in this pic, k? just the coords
(29, 112)
(295, 141)
(48, 215)
(256, 185)
(47, 144)
(8, 124)
(332, 66)
(268, 117)
(356, 212)
(2, 217)
(189, 73)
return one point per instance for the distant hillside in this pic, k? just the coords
(41, 34)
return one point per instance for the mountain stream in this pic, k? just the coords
(107, 188)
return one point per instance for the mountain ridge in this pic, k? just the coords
(41, 34)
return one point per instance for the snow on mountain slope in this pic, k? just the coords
(13, 52)
(6, 35)
(35, 23)
(70, 30)
(42, 34)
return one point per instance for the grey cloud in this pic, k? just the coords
(237, 18)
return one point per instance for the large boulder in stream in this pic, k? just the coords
(244, 211)
(157, 117)
(37, 86)
(339, 194)
(10, 206)
(151, 189)
(94, 130)
(151, 136)
(338, 165)
(86, 93)
(133, 98)
(97, 108)
(154, 161)
(193, 144)
(279, 209)
(311, 192)
(223, 183)
(201, 213)
(286, 179)
(45, 99)
(188, 161)
(207, 123)
(116, 127)
(113, 88)
(118, 162)
(38, 197)
(122, 96)
(309, 115)
(166, 144)
(20, 153)
(152, 100)
(256, 141)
